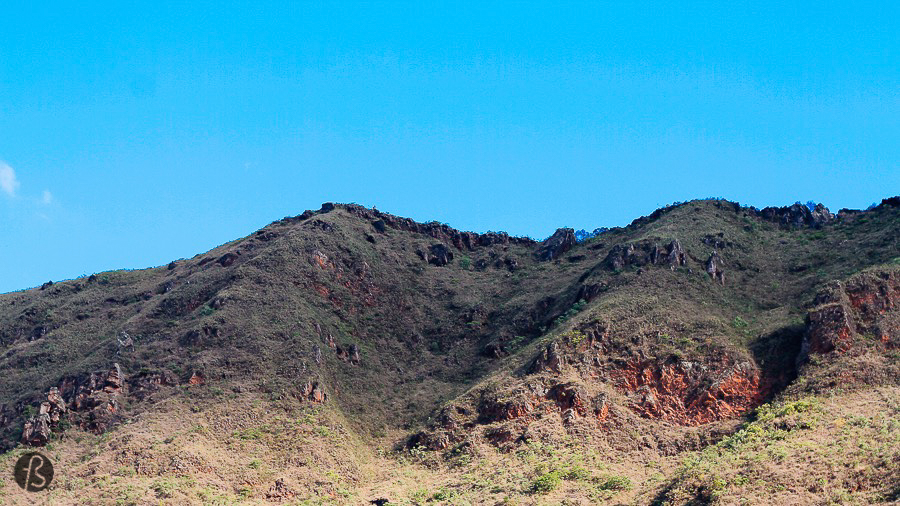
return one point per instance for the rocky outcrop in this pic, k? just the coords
(550, 360)
(93, 402)
(438, 254)
(496, 408)
(36, 431)
(313, 391)
(498, 261)
(569, 396)
(645, 253)
(828, 329)
(505, 411)
(556, 245)
(348, 353)
(798, 215)
(439, 231)
(674, 255)
(228, 259)
(714, 268)
(864, 309)
(690, 393)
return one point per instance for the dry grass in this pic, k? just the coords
(421, 331)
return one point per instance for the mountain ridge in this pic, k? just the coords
(445, 349)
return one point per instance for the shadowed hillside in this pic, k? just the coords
(706, 353)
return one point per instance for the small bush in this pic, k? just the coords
(248, 434)
(164, 489)
(576, 473)
(442, 495)
(615, 483)
(546, 482)
(574, 337)
(465, 262)
(572, 311)
(739, 323)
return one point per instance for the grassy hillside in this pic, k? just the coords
(708, 352)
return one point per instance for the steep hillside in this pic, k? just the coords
(345, 355)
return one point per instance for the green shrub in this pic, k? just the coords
(572, 311)
(248, 434)
(576, 473)
(739, 323)
(442, 495)
(164, 489)
(465, 262)
(546, 482)
(574, 337)
(615, 483)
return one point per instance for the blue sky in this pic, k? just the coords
(131, 136)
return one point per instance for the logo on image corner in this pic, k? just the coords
(34, 472)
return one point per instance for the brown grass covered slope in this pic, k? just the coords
(707, 353)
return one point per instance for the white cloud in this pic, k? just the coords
(47, 198)
(8, 182)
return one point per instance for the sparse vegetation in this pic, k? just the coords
(472, 383)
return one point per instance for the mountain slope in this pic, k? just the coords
(335, 355)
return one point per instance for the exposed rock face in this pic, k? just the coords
(620, 256)
(227, 259)
(495, 409)
(313, 391)
(507, 411)
(864, 308)
(37, 430)
(714, 268)
(689, 393)
(94, 400)
(675, 254)
(646, 253)
(439, 255)
(432, 440)
(569, 397)
(829, 329)
(554, 246)
(197, 378)
(348, 353)
(600, 405)
(798, 215)
(550, 360)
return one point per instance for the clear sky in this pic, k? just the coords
(131, 136)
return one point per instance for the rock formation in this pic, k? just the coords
(554, 246)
